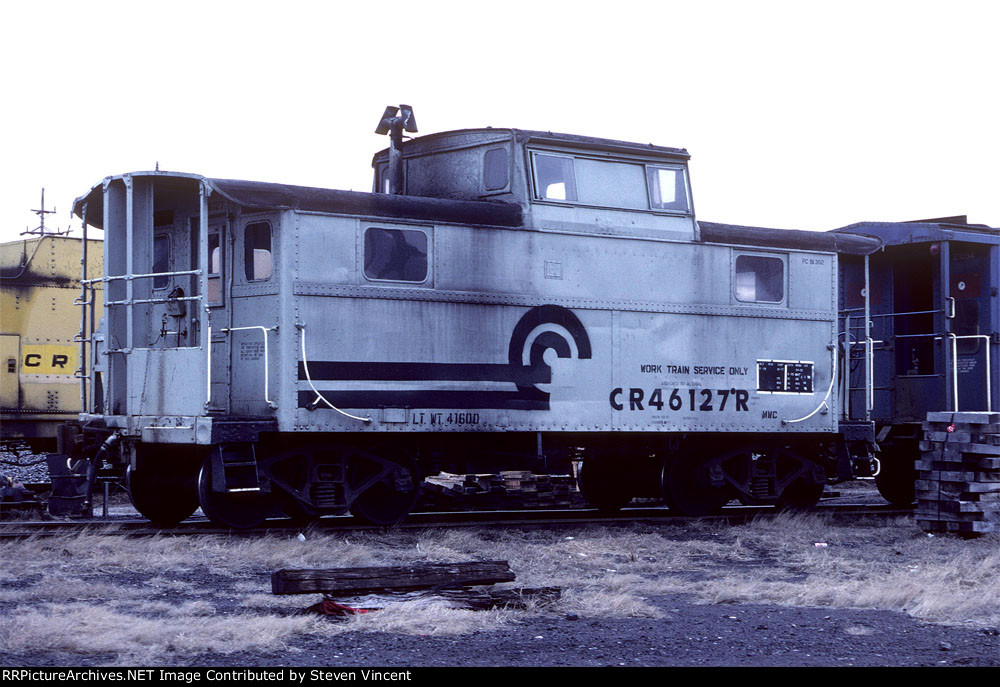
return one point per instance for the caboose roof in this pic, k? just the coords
(264, 195)
(922, 231)
(258, 195)
(827, 241)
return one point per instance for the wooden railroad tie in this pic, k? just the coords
(958, 474)
(448, 580)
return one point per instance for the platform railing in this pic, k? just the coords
(869, 343)
(87, 287)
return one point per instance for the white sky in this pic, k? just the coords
(801, 115)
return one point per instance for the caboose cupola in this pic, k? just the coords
(562, 182)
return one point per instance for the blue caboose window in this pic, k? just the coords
(395, 254)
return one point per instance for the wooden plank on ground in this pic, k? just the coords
(359, 581)
(483, 600)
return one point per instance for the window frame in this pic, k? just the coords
(645, 165)
(486, 190)
(687, 188)
(535, 193)
(782, 259)
(271, 249)
(218, 230)
(428, 255)
(382, 179)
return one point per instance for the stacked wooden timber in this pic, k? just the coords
(514, 489)
(958, 474)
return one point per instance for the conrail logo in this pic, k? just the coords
(540, 329)
(46, 359)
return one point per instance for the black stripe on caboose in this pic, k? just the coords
(326, 370)
(522, 399)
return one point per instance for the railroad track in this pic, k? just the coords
(137, 527)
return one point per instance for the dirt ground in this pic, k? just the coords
(687, 634)
(795, 590)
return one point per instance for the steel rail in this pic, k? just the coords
(431, 520)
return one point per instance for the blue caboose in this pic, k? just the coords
(933, 316)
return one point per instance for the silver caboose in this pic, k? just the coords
(502, 299)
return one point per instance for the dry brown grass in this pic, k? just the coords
(427, 617)
(145, 600)
(136, 639)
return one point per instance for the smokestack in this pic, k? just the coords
(395, 120)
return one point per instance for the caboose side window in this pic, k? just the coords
(257, 251)
(610, 183)
(215, 267)
(395, 254)
(384, 184)
(495, 169)
(667, 190)
(760, 279)
(554, 177)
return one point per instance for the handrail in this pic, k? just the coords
(267, 367)
(869, 358)
(845, 401)
(130, 277)
(83, 302)
(208, 368)
(936, 335)
(870, 389)
(147, 301)
(892, 314)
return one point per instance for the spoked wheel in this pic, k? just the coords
(688, 489)
(238, 510)
(601, 483)
(163, 497)
(895, 479)
(387, 484)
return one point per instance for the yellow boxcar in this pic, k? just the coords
(39, 282)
